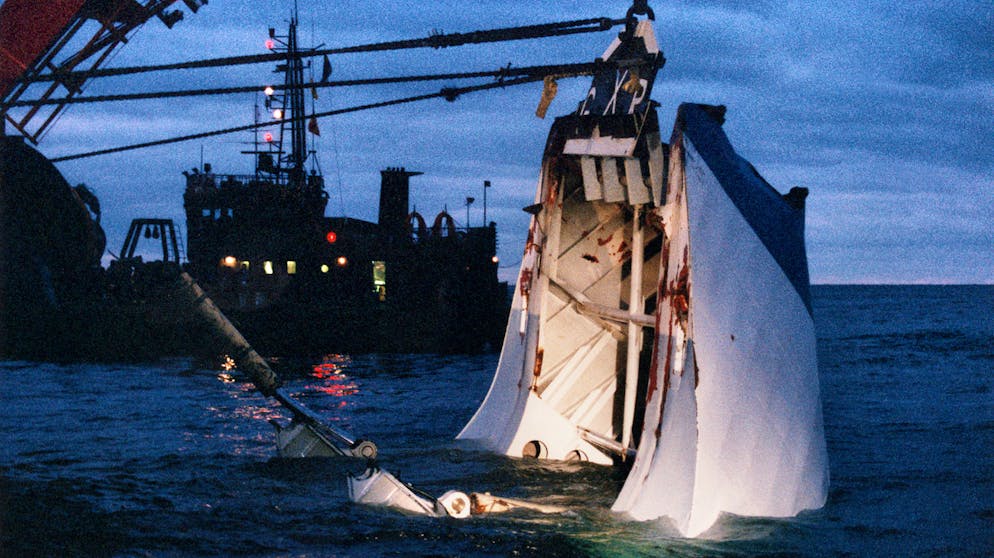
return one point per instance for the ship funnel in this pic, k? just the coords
(394, 200)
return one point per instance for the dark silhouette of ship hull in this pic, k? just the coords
(297, 282)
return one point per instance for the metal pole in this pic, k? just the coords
(635, 306)
(486, 184)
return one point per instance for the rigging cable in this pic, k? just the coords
(435, 40)
(566, 70)
(448, 93)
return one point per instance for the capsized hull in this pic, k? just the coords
(662, 317)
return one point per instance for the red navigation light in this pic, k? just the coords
(268, 136)
(331, 237)
(270, 44)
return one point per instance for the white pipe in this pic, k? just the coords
(635, 307)
(615, 315)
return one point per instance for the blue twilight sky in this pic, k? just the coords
(884, 110)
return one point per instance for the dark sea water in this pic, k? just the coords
(167, 458)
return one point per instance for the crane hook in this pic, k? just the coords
(640, 7)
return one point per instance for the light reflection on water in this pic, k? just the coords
(332, 380)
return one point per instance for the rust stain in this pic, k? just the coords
(603, 241)
(553, 193)
(525, 282)
(666, 380)
(552, 179)
(537, 371)
(679, 291)
(591, 258)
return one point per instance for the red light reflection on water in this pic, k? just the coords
(332, 378)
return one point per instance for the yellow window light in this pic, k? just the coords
(379, 273)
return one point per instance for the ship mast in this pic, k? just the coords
(295, 84)
(292, 114)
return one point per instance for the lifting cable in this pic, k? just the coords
(435, 40)
(448, 93)
(561, 70)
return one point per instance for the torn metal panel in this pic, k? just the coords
(601, 146)
(657, 168)
(614, 192)
(592, 187)
(638, 193)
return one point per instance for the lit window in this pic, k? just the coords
(229, 261)
(342, 261)
(379, 274)
(291, 267)
(324, 268)
(380, 279)
(245, 265)
(267, 267)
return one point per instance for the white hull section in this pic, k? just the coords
(738, 413)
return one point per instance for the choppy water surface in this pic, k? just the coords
(166, 458)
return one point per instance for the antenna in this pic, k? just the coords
(255, 134)
(486, 186)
